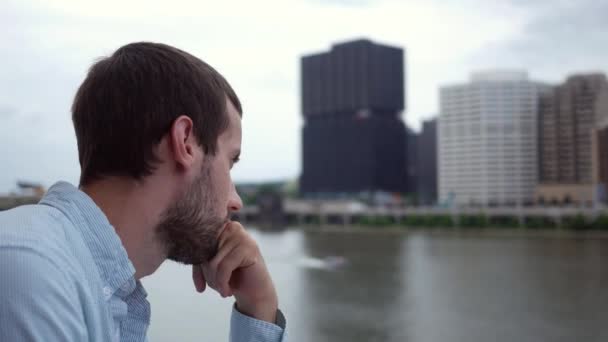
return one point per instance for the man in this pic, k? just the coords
(158, 132)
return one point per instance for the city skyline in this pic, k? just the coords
(49, 47)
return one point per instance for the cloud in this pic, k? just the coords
(50, 45)
(349, 3)
(559, 38)
(7, 112)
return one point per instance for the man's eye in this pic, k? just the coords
(234, 161)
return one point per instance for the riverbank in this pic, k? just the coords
(459, 232)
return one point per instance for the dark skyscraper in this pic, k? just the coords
(426, 167)
(422, 163)
(412, 160)
(353, 137)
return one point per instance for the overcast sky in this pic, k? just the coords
(47, 46)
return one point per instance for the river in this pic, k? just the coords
(391, 286)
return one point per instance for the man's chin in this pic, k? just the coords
(207, 254)
(190, 261)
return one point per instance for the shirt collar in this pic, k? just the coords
(115, 268)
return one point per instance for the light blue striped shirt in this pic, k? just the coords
(65, 276)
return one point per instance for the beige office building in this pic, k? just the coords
(572, 135)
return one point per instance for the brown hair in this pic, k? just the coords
(129, 100)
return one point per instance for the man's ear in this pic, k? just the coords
(183, 142)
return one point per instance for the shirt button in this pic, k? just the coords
(107, 292)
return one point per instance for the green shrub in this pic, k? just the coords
(383, 221)
(430, 221)
(314, 220)
(600, 222)
(539, 222)
(375, 221)
(439, 221)
(413, 221)
(362, 220)
(577, 222)
(504, 222)
(473, 221)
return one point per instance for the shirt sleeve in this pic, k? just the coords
(247, 329)
(37, 303)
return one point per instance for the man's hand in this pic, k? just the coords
(239, 270)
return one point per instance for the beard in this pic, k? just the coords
(190, 227)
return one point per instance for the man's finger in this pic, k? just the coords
(199, 278)
(225, 235)
(225, 268)
(226, 249)
(209, 274)
(209, 269)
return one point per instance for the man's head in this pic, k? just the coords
(151, 110)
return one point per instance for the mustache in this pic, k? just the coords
(231, 216)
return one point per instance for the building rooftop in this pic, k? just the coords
(499, 75)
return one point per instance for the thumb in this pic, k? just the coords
(199, 278)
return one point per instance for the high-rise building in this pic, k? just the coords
(570, 117)
(426, 166)
(599, 148)
(412, 161)
(422, 163)
(487, 139)
(353, 138)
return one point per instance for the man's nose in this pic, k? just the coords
(234, 202)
